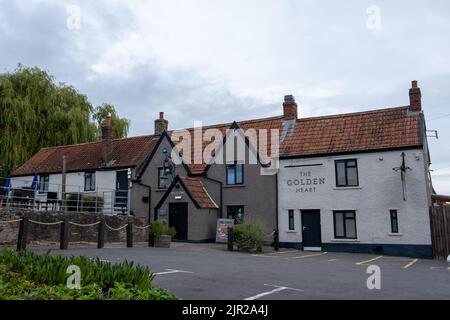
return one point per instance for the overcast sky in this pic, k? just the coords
(223, 60)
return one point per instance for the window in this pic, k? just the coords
(394, 221)
(346, 173)
(164, 178)
(89, 181)
(344, 224)
(235, 174)
(291, 220)
(43, 183)
(236, 213)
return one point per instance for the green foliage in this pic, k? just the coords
(120, 125)
(35, 112)
(28, 275)
(248, 237)
(83, 202)
(159, 227)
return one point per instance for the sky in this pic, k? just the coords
(222, 60)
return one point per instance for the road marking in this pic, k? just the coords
(410, 264)
(265, 255)
(283, 252)
(333, 260)
(363, 262)
(310, 255)
(168, 271)
(277, 289)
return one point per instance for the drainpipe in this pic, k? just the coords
(149, 198)
(221, 194)
(276, 208)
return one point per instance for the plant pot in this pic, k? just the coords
(163, 241)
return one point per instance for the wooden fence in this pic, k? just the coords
(440, 231)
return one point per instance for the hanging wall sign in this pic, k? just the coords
(222, 229)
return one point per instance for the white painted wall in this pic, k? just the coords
(105, 184)
(379, 191)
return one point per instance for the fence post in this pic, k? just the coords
(230, 239)
(276, 240)
(23, 234)
(101, 234)
(64, 236)
(130, 234)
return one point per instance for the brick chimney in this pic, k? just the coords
(289, 108)
(107, 147)
(161, 124)
(415, 97)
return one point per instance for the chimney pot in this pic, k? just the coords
(415, 97)
(161, 124)
(107, 147)
(289, 108)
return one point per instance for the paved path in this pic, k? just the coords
(206, 271)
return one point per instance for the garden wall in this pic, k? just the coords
(38, 233)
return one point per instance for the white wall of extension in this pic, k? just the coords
(379, 191)
(105, 183)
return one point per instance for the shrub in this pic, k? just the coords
(83, 202)
(28, 275)
(248, 237)
(159, 227)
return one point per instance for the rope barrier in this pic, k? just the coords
(145, 227)
(46, 223)
(85, 225)
(115, 229)
(270, 234)
(11, 221)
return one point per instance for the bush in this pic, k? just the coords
(27, 275)
(159, 227)
(83, 202)
(248, 237)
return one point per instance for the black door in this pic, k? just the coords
(311, 228)
(121, 199)
(178, 218)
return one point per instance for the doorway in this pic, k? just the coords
(311, 230)
(178, 218)
(121, 196)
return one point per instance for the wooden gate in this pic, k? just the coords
(440, 231)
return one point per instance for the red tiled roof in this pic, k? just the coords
(198, 192)
(128, 152)
(355, 132)
(362, 131)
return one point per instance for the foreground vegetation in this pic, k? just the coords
(28, 275)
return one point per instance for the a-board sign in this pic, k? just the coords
(222, 229)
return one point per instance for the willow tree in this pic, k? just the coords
(120, 125)
(36, 112)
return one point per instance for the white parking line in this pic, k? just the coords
(363, 262)
(410, 264)
(168, 271)
(277, 289)
(310, 255)
(333, 260)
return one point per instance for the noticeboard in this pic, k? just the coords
(222, 229)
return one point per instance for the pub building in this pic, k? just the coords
(353, 182)
(358, 182)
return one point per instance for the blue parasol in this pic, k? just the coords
(35, 183)
(6, 184)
